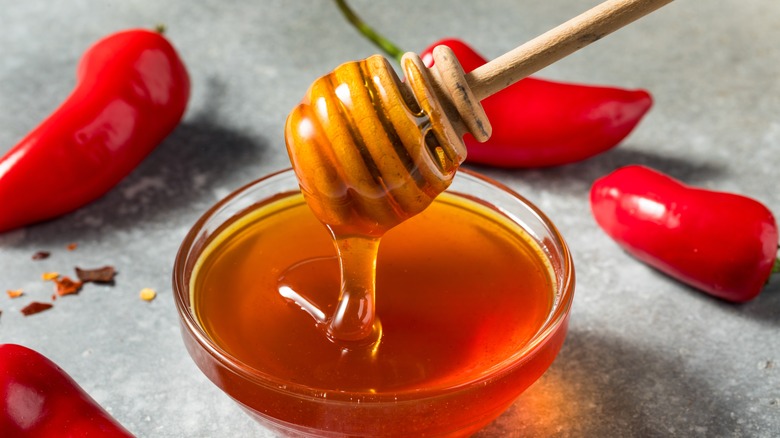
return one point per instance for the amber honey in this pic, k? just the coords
(459, 290)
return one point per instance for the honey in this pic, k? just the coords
(369, 153)
(459, 290)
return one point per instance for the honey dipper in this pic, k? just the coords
(371, 151)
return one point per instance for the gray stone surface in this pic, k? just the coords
(645, 355)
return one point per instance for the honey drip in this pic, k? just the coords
(353, 319)
(369, 152)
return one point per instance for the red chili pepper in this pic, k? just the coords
(721, 243)
(132, 90)
(38, 399)
(540, 123)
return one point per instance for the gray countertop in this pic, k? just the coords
(645, 355)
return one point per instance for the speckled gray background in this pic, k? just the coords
(645, 356)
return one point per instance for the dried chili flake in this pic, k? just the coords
(35, 307)
(14, 293)
(66, 286)
(103, 275)
(148, 294)
(49, 276)
(72, 246)
(40, 255)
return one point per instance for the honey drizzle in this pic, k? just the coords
(369, 152)
(354, 320)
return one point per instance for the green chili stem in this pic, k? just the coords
(776, 265)
(383, 43)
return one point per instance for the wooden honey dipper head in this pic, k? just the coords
(371, 151)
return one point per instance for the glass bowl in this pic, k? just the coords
(460, 409)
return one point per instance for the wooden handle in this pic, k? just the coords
(557, 43)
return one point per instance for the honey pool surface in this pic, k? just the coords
(459, 289)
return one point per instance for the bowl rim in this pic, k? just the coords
(557, 317)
